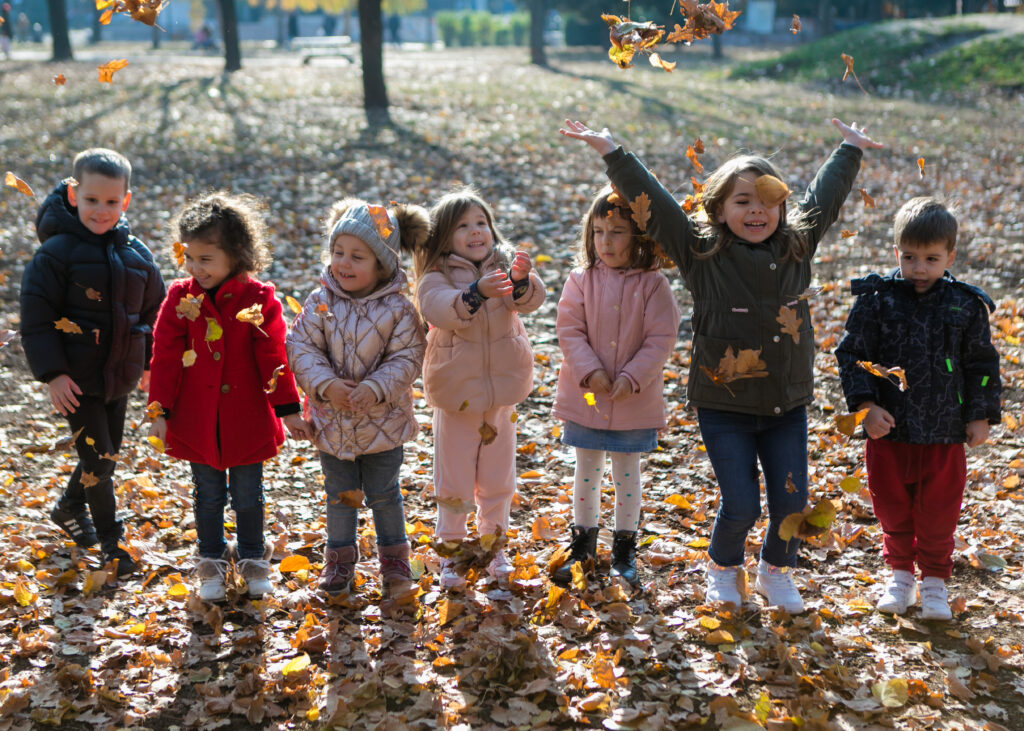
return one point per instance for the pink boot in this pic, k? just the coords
(339, 569)
(394, 568)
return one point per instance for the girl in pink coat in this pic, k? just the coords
(220, 382)
(471, 289)
(617, 325)
(356, 348)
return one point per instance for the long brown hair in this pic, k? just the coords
(642, 254)
(443, 217)
(792, 230)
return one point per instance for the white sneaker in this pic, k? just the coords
(934, 601)
(211, 573)
(721, 584)
(900, 593)
(450, 578)
(256, 573)
(500, 567)
(776, 583)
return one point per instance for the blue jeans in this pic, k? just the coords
(735, 443)
(245, 483)
(377, 476)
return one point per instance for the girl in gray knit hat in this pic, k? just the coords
(355, 349)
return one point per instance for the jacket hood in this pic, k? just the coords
(395, 285)
(57, 216)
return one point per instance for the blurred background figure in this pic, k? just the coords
(6, 29)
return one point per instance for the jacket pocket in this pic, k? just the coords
(511, 369)
(711, 371)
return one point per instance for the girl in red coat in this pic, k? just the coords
(220, 381)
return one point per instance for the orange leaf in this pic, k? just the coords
(920, 166)
(790, 323)
(108, 70)
(847, 423)
(887, 373)
(154, 410)
(179, 254)
(295, 562)
(66, 326)
(13, 181)
(869, 202)
(659, 63)
(847, 234)
(106, 17)
(771, 190)
(640, 206)
(848, 60)
(381, 221)
(272, 383)
(796, 26)
(691, 155)
(447, 610)
(59, 80)
(189, 307)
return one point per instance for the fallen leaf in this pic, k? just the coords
(189, 307)
(66, 326)
(295, 562)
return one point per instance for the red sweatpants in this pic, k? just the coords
(916, 492)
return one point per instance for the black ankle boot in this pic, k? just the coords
(624, 557)
(582, 547)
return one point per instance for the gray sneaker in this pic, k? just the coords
(255, 572)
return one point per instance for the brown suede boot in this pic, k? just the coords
(394, 568)
(339, 569)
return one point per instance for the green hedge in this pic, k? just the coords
(475, 28)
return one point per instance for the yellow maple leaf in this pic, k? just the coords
(213, 330)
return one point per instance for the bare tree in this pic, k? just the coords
(371, 44)
(59, 30)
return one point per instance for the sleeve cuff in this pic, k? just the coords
(287, 409)
(520, 288)
(377, 390)
(473, 299)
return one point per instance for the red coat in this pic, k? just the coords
(219, 413)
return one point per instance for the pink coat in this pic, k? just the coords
(475, 361)
(220, 413)
(376, 340)
(624, 321)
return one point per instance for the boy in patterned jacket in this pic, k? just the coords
(921, 319)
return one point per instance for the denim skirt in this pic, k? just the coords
(609, 440)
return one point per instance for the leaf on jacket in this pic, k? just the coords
(213, 330)
(154, 410)
(487, 434)
(796, 26)
(847, 423)
(189, 307)
(381, 221)
(66, 326)
(252, 315)
(868, 201)
(272, 383)
(641, 208)
(790, 323)
(93, 294)
(13, 181)
(590, 399)
(324, 310)
(293, 304)
(735, 367)
(88, 479)
(188, 358)
(108, 70)
(895, 375)
(457, 505)
(691, 155)
(771, 190)
(178, 251)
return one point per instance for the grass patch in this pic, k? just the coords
(999, 64)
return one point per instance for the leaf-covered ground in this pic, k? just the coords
(146, 653)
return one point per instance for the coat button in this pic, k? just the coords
(774, 340)
(225, 388)
(772, 266)
(778, 410)
(216, 356)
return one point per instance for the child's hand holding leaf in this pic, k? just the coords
(599, 382)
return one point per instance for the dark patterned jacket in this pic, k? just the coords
(107, 285)
(940, 338)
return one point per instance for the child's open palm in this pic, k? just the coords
(521, 266)
(601, 141)
(855, 135)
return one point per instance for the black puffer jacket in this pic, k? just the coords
(107, 285)
(940, 338)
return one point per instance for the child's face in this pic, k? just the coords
(473, 238)
(208, 264)
(100, 201)
(745, 215)
(924, 264)
(354, 266)
(613, 240)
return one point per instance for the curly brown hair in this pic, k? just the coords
(233, 222)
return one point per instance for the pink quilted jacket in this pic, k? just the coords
(377, 340)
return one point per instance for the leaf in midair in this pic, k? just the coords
(154, 410)
(790, 323)
(293, 304)
(178, 252)
(691, 155)
(868, 201)
(13, 181)
(895, 375)
(59, 80)
(702, 20)
(847, 233)
(848, 61)
(659, 63)
(641, 208)
(847, 423)
(771, 190)
(381, 220)
(66, 326)
(107, 70)
(796, 26)
(189, 307)
(920, 167)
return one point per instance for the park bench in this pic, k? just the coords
(312, 46)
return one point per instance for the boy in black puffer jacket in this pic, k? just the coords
(921, 319)
(89, 298)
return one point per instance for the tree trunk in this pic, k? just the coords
(538, 17)
(825, 16)
(59, 30)
(371, 45)
(97, 28)
(716, 47)
(157, 37)
(229, 32)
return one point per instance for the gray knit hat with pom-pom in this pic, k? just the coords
(385, 231)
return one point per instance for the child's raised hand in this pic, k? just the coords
(495, 284)
(298, 427)
(977, 432)
(621, 388)
(338, 393)
(62, 394)
(158, 429)
(599, 382)
(878, 421)
(601, 141)
(855, 135)
(521, 266)
(362, 398)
